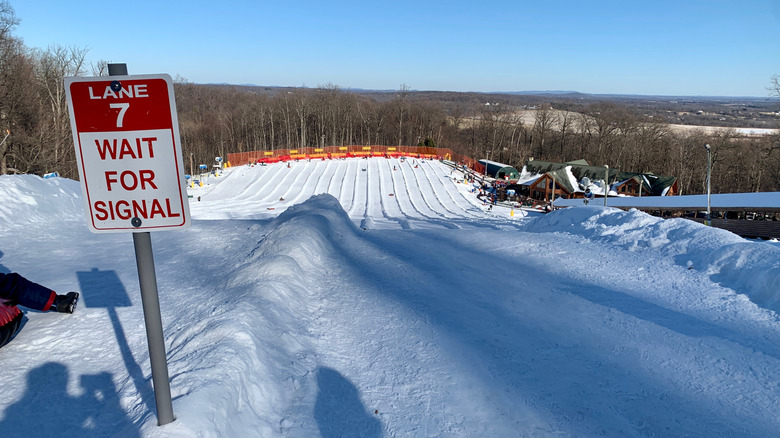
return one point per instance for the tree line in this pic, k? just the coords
(215, 120)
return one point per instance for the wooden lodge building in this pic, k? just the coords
(578, 179)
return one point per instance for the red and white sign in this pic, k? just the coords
(126, 134)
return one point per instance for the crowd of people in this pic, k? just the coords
(492, 191)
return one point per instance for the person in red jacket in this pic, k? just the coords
(17, 290)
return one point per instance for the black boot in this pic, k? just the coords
(66, 303)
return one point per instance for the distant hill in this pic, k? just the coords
(721, 111)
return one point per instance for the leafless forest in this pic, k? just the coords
(217, 119)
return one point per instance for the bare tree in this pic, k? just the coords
(53, 65)
(301, 107)
(99, 68)
(8, 19)
(774, 88)
(373, 119)
(646, 142)
(401, 107)
(18, 100)
(545, 120)
(565, 121)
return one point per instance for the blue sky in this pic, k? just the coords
(696, 47)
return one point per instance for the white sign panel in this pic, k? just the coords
(126, 135)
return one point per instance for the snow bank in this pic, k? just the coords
(750, 268)
(300, 324)
(39, 200)
(247, 333)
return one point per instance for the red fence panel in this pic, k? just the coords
(242, 158)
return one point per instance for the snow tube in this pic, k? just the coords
(10, 320)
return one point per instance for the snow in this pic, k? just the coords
(756, 200)
(344, 311)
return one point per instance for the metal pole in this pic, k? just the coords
(606, 184)
(487, 155)
(552, 197)
(708, 218)
(484, 180)
(147, 278)
(144, 259)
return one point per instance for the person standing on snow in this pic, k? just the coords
(15, 289)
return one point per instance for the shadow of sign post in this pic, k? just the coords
(104, 289)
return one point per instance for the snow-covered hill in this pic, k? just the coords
(376, 193)
(344, 311)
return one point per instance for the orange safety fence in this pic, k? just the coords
(336, 152)
(329, 152)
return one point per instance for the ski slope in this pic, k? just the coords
(342, 311)
(376, 193)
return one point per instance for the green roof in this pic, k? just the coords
(494, 168)
(655, 184)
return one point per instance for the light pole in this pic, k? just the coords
(487, 155)
(708, 218)
(606, 183)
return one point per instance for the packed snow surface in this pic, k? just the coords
(379, 298)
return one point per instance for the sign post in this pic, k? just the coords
(126, 135)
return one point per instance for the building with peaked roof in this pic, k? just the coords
(498, 170)
(576, 179)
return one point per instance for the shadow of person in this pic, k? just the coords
(338, 409)
(46, 408)
(109, 418)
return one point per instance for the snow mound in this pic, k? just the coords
(323, 205)
(270, 294)
(306, 235)
(751, 268)
(39, 200)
